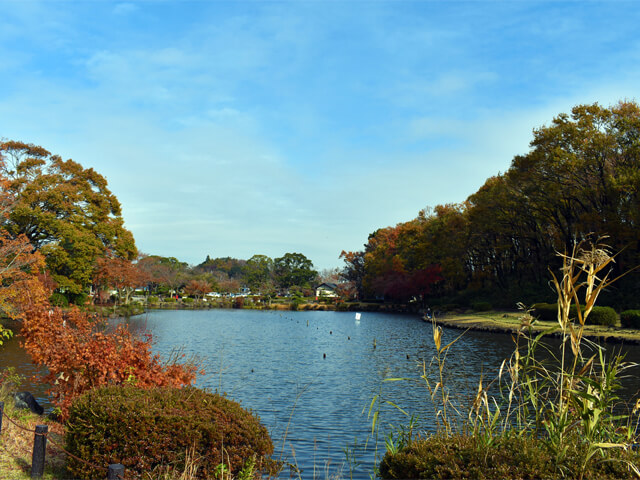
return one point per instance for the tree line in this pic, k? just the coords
(580, 178)
(67, 214)
(259, 274)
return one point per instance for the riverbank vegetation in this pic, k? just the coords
(580, 176)
(548, 414)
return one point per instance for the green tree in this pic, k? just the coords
(294, 269)
(232, 267)
(66, 211)
(353, 272)
(258, 272)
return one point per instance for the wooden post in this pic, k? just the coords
(115, 472)
(39, 447)
(1, 414)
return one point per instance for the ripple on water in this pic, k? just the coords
(273, 363)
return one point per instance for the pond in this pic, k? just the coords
(311, 376)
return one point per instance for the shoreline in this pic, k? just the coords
(509, 323)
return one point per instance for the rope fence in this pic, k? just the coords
(114, 471)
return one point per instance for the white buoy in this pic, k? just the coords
(358, 317)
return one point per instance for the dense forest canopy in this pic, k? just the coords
(581, 177)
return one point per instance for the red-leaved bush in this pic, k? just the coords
(81, 354)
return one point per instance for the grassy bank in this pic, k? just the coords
(509, 322)
(493, 321)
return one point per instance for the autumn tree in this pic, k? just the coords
(67, 213)
(167, 272)
(20, 267)
(396, 264)
(197, 288)
(329, 275)
(580, 176)
(232, 267)
(80, 354)
(120, 274)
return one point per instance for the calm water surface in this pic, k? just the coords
(274, 363)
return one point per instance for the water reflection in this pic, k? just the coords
(13, 355)
(312, 374)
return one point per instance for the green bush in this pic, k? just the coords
(58, 300)
(79, 298)
(481, 306)
(598, 316)
(170, 300)
(188, 300)
(546, 311)
(150, 430)
(295, 303)
(153, 300)
(461, 456)
(602, 316)
(630, 319)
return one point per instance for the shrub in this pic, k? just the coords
(170, 300)
(630, 319)
(545, 311)
(602, 316)
(188, 300)
(80, 355)
(129, 310)
(462, 456)
(295, 303)
(598, 316)
(148, 430)
(238, 302)
(342, 307)
(58, 300)
(153, 300)
(457, 457)
(481, 306)
(79, 298)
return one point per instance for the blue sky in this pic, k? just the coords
(234, 128)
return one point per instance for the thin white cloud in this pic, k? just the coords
(236, 128)
(126, 8)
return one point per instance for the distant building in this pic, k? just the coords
(326, 290)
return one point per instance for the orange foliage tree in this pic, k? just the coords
(197, 288)
(81, 353)
(121, 274)
(78, 350)
(20, 266)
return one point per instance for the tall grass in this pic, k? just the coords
(561, 403)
